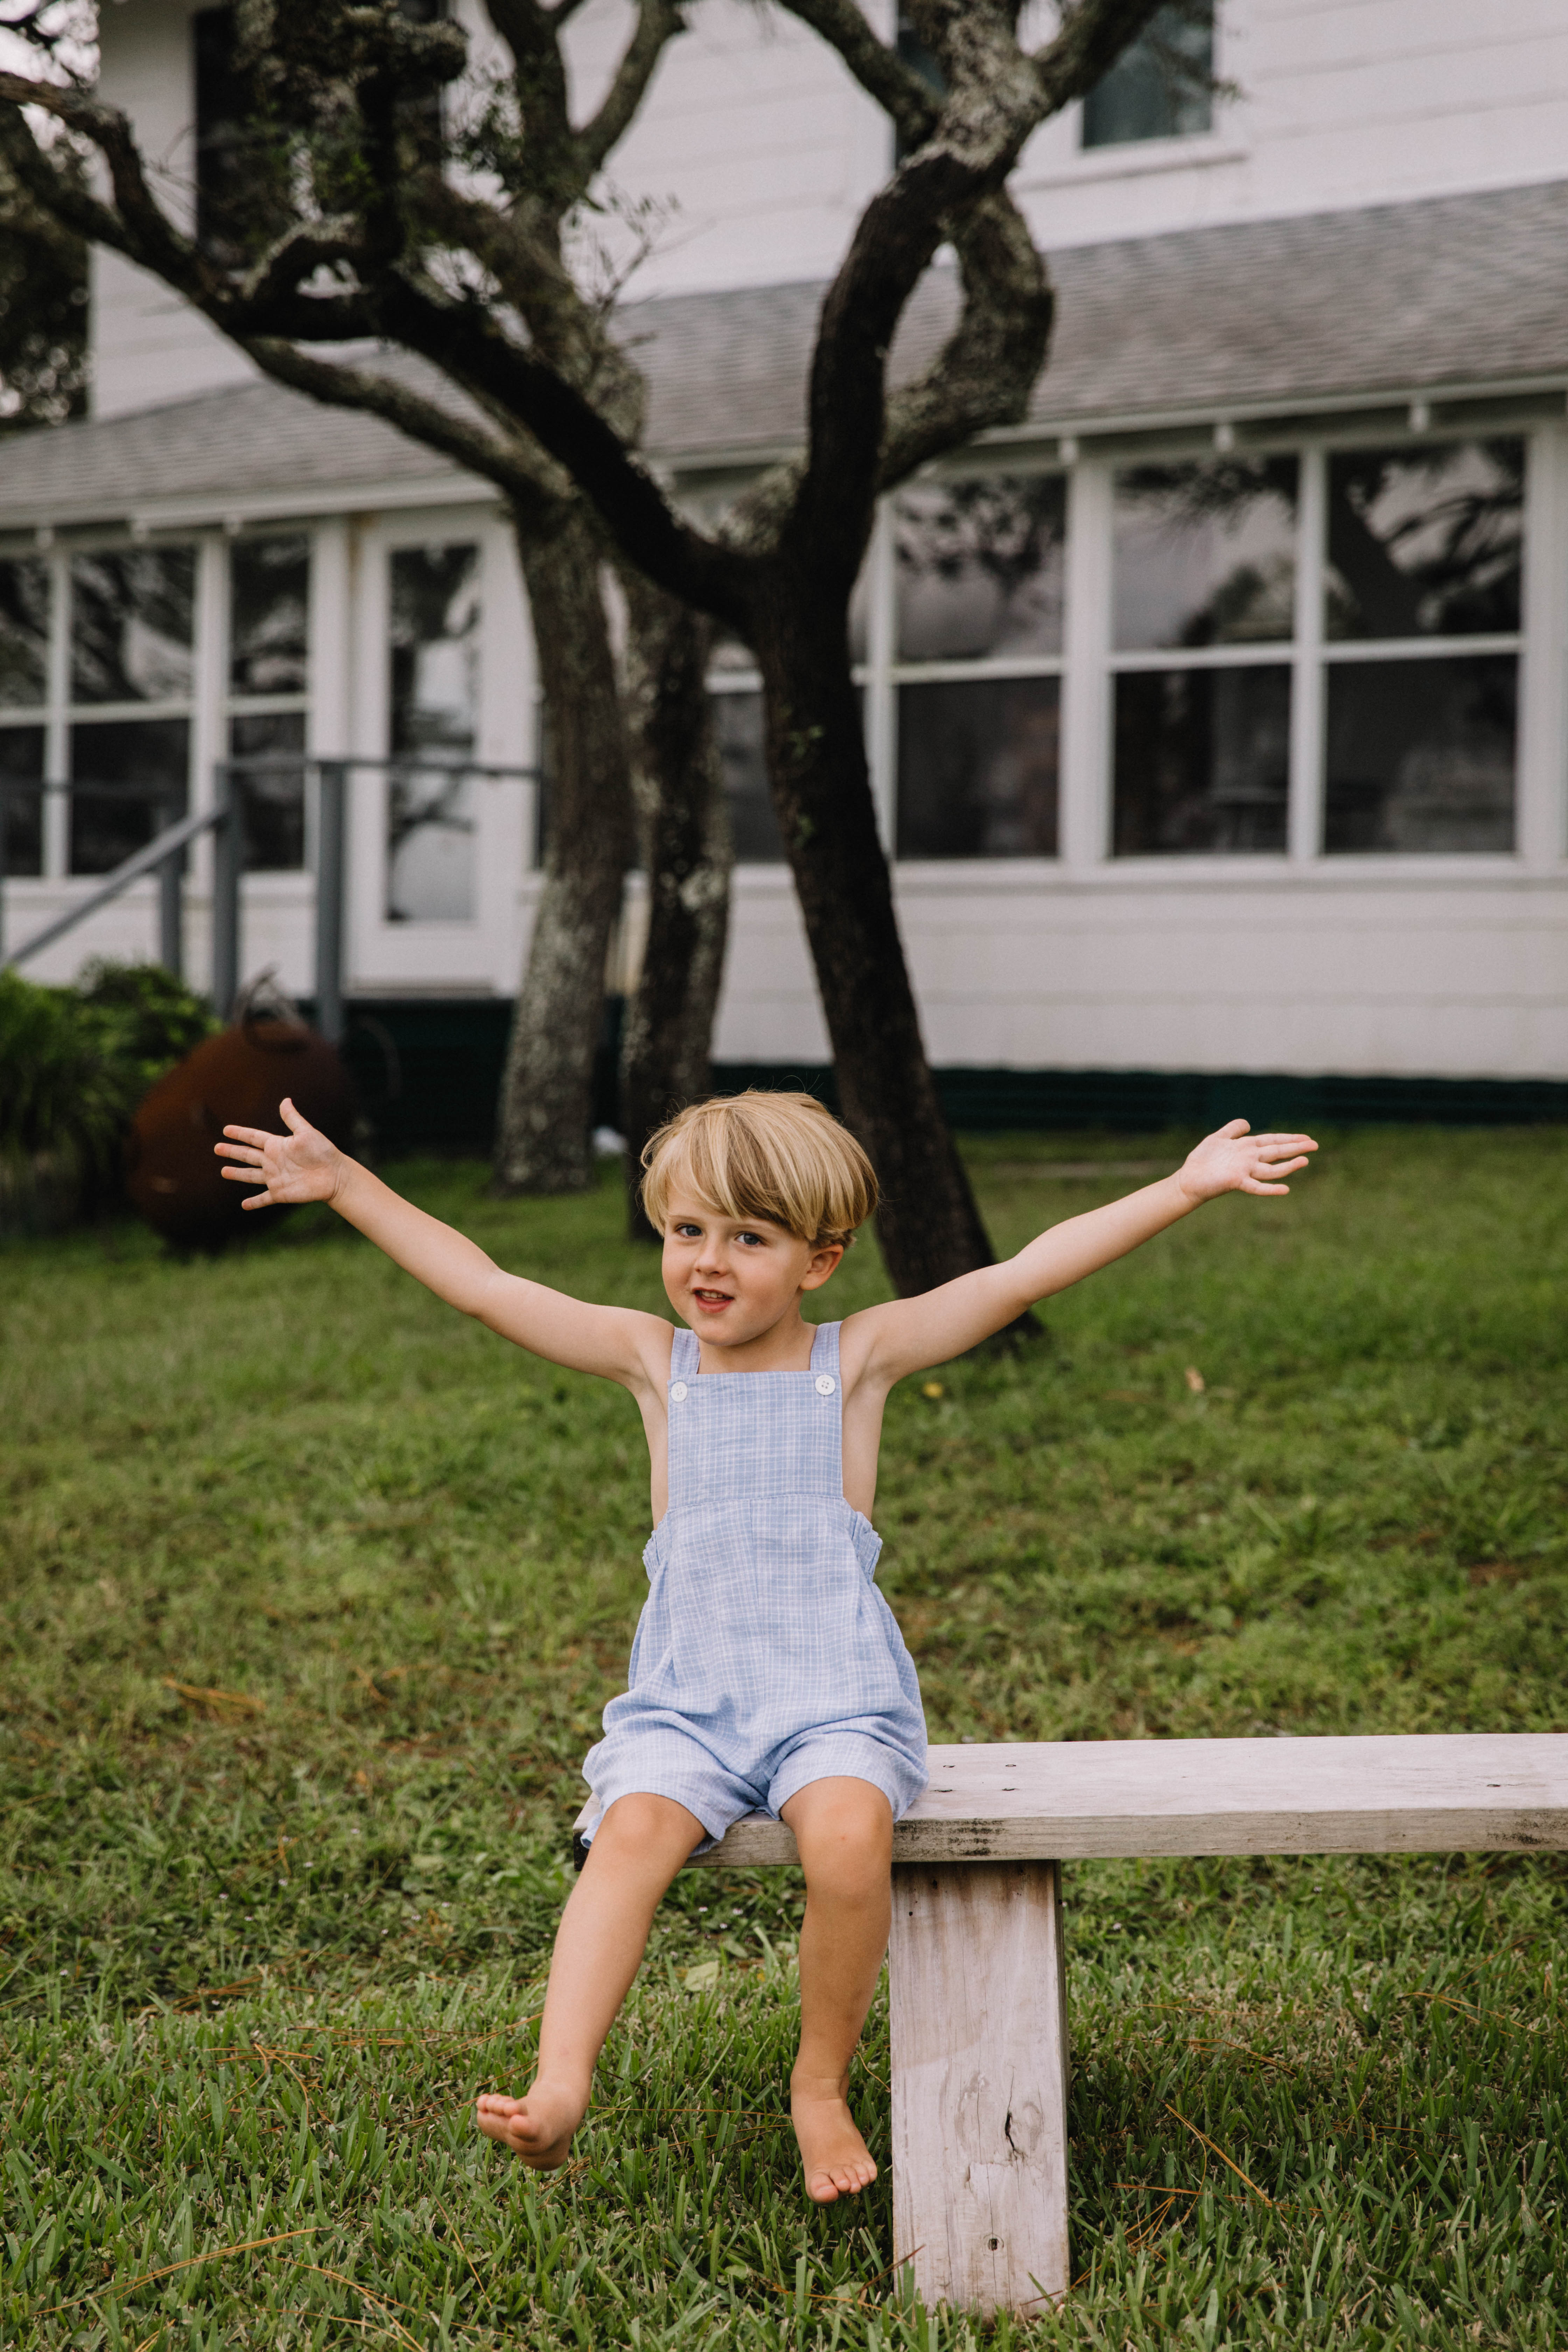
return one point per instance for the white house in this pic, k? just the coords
(1219, 717)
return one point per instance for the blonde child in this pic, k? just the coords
(768, 1673)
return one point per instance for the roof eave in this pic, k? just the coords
(209, 509)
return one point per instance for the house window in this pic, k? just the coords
(1422, 618)
(1160, 87)
(269, 680)
(24, 677)
(131, 673)
(1204, 573)
(431, 872)
(978, 566)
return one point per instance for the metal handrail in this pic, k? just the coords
(161, 850)
(165, 854)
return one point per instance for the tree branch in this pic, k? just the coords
(657, 23)
(297, 256)
(1091, 40)
(531, 484)
(985, 373)
(996, 97)
(461, 338)
(136, 223)
(881, 73)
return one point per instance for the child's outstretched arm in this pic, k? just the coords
(908, 1334)
(303, 1165)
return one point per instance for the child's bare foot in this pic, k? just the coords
(539, 2127)
(837, 2159)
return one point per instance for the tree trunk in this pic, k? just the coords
(543, 1140)
(929, 1226)
(679, 792)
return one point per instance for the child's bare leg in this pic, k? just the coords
(637, 1850)
(844, 1829)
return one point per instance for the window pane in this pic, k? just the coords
(430, 847)
(270, 582)
(1203, 760)
(435, 717)
(980, 567)
(24, 632)
(434, 649)
(977, 769)
(145, 763)
(22, 814)
(132, 613)
(272, 795)
(1159, 86)
(1205, 554)
(1420, 755)
(737, 728)
(1426, 542)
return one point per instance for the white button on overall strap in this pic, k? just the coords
(678, 1392)
(825, 1384)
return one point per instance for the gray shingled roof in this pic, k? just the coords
(1395, 298)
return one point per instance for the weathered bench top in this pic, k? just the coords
(1068, 1800)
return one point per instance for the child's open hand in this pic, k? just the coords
(299, 1166)
(1233, 1160)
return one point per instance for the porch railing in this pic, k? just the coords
(164, 854)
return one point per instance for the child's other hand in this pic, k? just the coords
(1233, 1160)
(299, 1166)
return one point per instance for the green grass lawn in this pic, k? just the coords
(313, 1593)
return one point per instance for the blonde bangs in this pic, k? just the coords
(779, 1157)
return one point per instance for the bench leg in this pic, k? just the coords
(979, 2082)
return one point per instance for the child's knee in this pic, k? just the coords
(647, 1828)
(845, 1831)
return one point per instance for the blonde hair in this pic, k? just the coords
(780, 1157)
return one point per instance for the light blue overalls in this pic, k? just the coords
(765, 1657)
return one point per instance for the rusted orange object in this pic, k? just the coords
(235, 1079)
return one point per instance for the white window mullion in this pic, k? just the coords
(1308, 684)
(57, 739)
(1085, 785)
(1541, 757)
(881, 624)
(209, 732)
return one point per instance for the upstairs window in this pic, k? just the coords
(1160, 87)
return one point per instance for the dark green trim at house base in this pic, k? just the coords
(1145, 1102)
(428, 1072)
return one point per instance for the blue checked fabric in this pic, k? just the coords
(765, 1657)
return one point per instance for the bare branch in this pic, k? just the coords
(881, 73)
(657, 23)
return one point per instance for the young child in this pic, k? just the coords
(768, 1673)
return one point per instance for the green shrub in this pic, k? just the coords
(74, 1064)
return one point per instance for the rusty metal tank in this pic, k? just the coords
(234, 1079)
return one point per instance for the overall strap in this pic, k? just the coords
(825, 1349)
(685, 1355)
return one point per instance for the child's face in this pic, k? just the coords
(732, 1280)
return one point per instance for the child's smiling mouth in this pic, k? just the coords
(713, 1300)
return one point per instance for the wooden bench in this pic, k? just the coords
(977, 1963)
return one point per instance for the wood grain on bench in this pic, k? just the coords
(1071, 1800)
